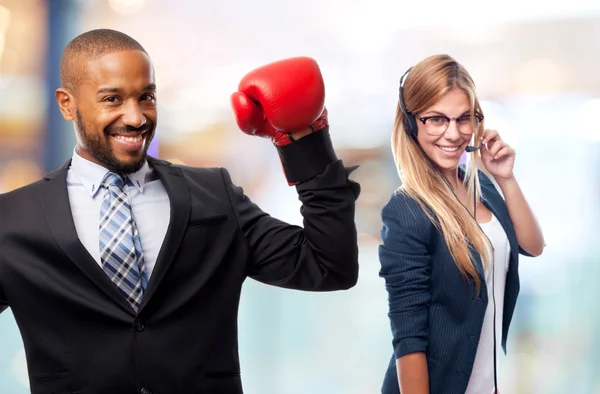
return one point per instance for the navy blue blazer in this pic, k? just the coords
(432, 308)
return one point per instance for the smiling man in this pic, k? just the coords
(123, 271)
(113, 107)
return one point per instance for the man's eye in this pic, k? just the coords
(112, 99)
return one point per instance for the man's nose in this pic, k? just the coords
(133, 115)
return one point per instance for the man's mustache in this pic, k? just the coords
(129, 129)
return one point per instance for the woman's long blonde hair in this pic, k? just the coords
(426, 83)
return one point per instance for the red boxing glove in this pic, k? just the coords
(281, 98)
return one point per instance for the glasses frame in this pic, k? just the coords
(449, 119)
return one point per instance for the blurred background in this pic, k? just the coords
(536, 69)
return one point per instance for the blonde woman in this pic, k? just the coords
(451, 242)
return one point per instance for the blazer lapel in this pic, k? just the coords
(179, 197)
(478, 262)
(56, 207)
(493, 201)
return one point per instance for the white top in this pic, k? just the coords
(482, 377)
(148, 199)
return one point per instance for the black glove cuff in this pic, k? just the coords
(307, 157)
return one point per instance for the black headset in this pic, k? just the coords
(410, 122)
(410, 125)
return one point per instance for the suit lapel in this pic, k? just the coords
(57, 208)
(179, 197)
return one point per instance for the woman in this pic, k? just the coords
(451, 243)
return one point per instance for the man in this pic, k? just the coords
(123, 271)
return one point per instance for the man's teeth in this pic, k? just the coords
(129, 139)
(448, 149)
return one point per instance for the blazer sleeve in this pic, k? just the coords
(322, 255)
(406, 268)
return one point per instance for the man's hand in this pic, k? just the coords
(282, 101)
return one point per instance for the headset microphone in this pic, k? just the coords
(472, 148)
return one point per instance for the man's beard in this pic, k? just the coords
(102, 152)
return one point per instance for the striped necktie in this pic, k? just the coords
(120, 246)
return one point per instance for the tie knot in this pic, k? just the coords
(112, 179)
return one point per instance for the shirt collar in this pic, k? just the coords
(91, 174)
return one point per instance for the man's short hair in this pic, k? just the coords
(89, 46)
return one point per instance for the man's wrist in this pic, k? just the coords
(308, 157)
(301, 134)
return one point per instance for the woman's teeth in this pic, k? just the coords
(448, 148)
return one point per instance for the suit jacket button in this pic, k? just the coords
(139, 325)
(145, 391)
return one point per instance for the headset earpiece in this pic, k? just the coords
(410, 122)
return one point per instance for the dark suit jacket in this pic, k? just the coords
(80, 334)
(432, 308)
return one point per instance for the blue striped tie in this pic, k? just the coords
(120, 246)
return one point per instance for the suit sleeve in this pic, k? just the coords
(406, 268)
(3, 300)
(322, 255)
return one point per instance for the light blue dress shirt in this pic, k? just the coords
(148, 199)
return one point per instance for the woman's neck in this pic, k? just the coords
(452, 178)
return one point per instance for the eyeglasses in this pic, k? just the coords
(438, 124)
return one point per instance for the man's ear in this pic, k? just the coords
(66, 103)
